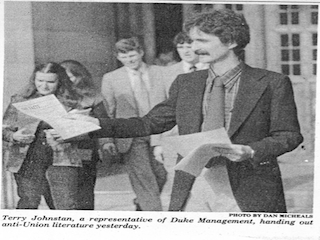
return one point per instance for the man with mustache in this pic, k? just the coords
(258, 112)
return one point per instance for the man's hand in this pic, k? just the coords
(82, 117)
(53, 139)
(158, 153)
(22, 136)
(239, 153)
(82, 111)
(54, 136)
(110, 148)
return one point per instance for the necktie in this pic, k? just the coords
(193, 68)
(213, 113)
(214, 105)
(141, 95)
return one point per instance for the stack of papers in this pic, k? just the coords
(49, 109)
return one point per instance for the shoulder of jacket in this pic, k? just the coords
(263, 71)
(174, 67)
(275, 75)
(266, 75)
(113, 74)
(17, 98)
(155, 67)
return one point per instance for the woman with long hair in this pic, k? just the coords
(81, 181)
(24, 137)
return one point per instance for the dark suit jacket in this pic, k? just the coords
(264, 117)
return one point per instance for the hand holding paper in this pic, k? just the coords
(53, 139)
(50, 110)
(82, 111)
(239, 153)
(22, 136)
(198, 148)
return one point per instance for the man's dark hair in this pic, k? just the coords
(181, 38)
(228, 26)
(126, 45)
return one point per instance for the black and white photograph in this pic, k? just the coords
(160, 119)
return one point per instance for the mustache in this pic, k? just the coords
(200, 52)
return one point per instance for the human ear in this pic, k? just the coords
(141, 52)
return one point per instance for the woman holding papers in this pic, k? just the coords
(81, 180)
(29, 155)
(63, 172)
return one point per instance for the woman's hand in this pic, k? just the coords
(22, 136)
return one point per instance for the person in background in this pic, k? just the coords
(189, 60)
(189, 63)
(82, 180)
(24, 137)
(165, 58)
(132, 91)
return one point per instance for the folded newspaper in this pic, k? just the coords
(49, 109)
(197, 149)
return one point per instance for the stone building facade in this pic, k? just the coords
(283, 39)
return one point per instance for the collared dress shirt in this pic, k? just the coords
(231, 80)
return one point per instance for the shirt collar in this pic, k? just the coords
(202, 66)
(186, 66)
(199, 66)
(229, 76)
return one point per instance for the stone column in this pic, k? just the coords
(19, 47)
(149, 32)
(18, 66)
(256, 49)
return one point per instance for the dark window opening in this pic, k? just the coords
(283, 18)
(296, 55)
(284, 40)
(285, 69)
(295, 18)
(296, 69)
(315, 39)
(284, 55)
(314, 18)
(239, 7)
(295, 40)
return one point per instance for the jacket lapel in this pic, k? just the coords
(250, 90)
(125, 89)
(192, 96)
(152, 76)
